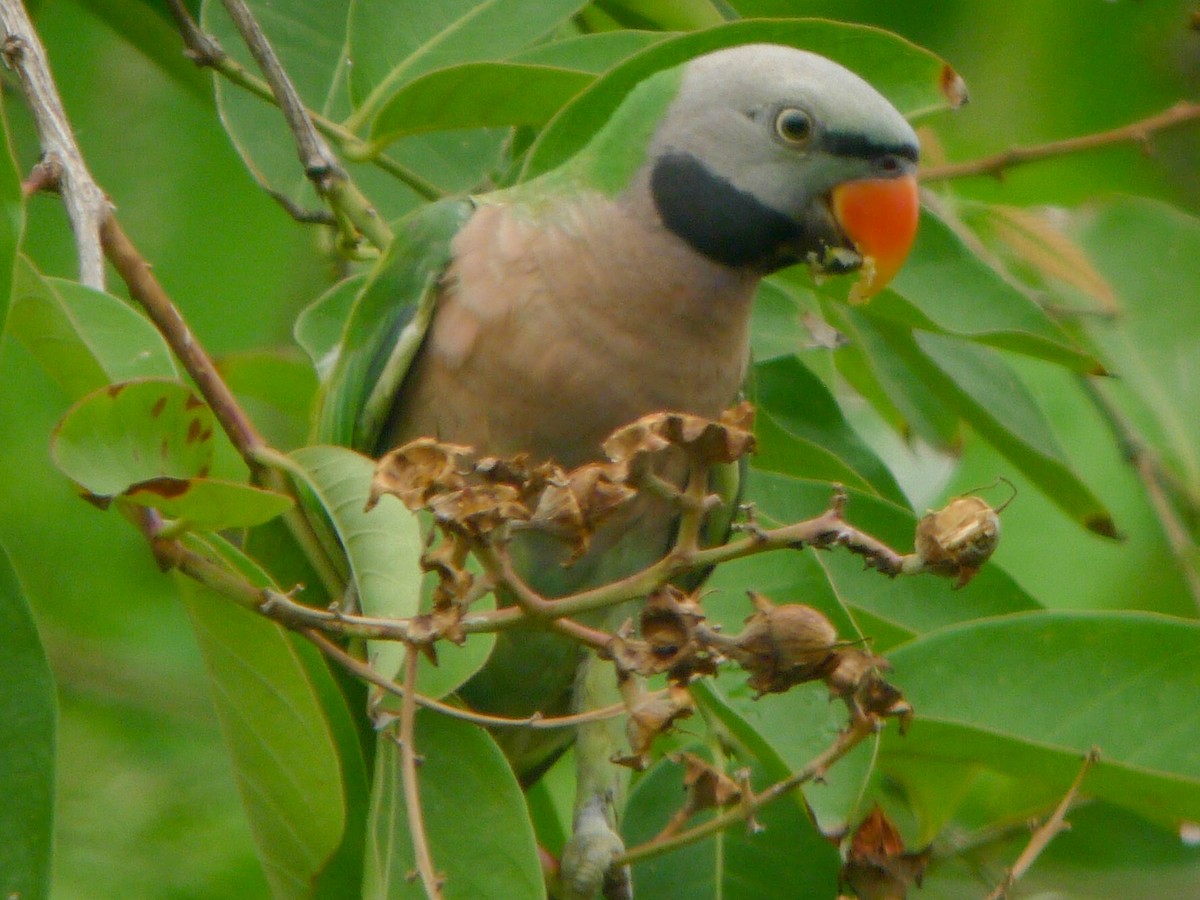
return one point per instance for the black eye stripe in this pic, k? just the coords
(863, 148)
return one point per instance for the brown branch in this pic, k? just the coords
(1046, 832)
(858, 730)
(87, 207)
(408, 768)
(1138, 132)
(146, 290)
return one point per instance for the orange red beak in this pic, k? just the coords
(880, 216)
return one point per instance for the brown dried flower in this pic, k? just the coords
(782, 646)
(877, 866)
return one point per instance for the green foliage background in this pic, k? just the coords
(146, 799)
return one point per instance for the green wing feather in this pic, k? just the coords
(386, 325)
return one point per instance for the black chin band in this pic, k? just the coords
(730, 226)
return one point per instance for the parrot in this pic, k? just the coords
(537, 318)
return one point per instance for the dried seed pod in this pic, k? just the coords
(418, 471)
(478, 510)
(651, 716)
(707, 786)
(572, 504)
(667, 624)
(782, 646)
(877, 866)
(705, 441)
(958, 539)
(857, 678)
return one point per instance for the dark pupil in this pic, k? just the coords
(794, 126)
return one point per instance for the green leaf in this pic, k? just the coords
(1031, 693)
(276, 389)
(477, 95)
(905, 74)
(129, 433)
(383, 545)
(29, 711)
(888, 380)
(789, 858)
(946, 287)
(798, 402)
(285, 758)
(394, 41)
(784, 732)
(479, 832)
(682, 15)
(988, 394)
(308, 37)
(83, 338)
(319, 326)
(1150, 254)
(12, 219)
(208, 503)
(593, 53)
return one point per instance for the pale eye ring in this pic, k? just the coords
(794, 126)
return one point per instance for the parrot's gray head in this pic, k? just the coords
(748, 163)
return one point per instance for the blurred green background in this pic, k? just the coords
(147, 807)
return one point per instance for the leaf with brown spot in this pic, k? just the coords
(131, 433)
(208, 504)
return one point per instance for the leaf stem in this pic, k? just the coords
(1138, 132)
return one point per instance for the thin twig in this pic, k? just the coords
(1046, 832)
(859, 729)
(534, 722)
(87, 207)
(408, 769)
(1137, 132)
(321, 166)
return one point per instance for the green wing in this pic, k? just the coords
(389, 314)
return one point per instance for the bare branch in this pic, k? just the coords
(1046, 832)
(847, 739)
(87, 207)
(1138, 132)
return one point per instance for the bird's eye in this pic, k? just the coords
(794, 125)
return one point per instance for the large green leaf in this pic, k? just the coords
(394, 41)
(789, 858)
(1029, 694)
(134, 432)
(479, 832)
(151, 443)
(28, 709)
(477, 95)
(798, 402)
(319, 326)
(383, 545)
(978, 385)
(83, 338)
(285, 758)
(593, 53)
(946, 287)
(905, 74)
